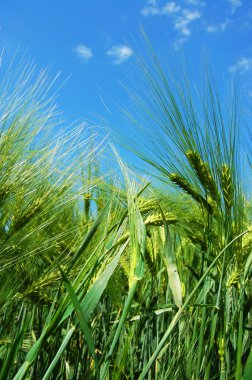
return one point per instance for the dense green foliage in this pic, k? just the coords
(145, 279)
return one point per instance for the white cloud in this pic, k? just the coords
(217, 27)
(120, 53)
(153, 10)
(234, 5)
(242, 66)
(170, 8)
(83, 52)
(182, 18)
(185, 19)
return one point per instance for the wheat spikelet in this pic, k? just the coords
(202, 171)
(246, 245)
(35, 296)
(39, 297)
(227, 187)
(151, 220)
(157, 219)
(20, 222)
(233, 279)
(148, 205)
(184, 185)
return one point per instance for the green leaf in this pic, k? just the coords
(7, 366)
(170, 262)
(88, 238)
(30, 357)
(82, 317)
(59, 353)
(248, 368)
(94, 294)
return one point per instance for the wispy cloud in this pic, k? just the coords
(234, 4)
(170, 8)
(242, 66)
(120, 53)
(183, 22)
(153, 10)
(217, 27)
(83, 52)
(182, 18)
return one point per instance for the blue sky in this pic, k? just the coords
(95, 40)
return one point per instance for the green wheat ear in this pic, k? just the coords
(203, 173)
(184, 185)
(227, 187)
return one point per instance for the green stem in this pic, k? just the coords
(120, 326)
(201, 341)
(238, 372)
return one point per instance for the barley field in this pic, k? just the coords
(145, 274)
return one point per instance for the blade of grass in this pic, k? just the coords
(248, 368)
(88, 238)
(58, 354)
(15, 346)
(94, 294)
(82, 318)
